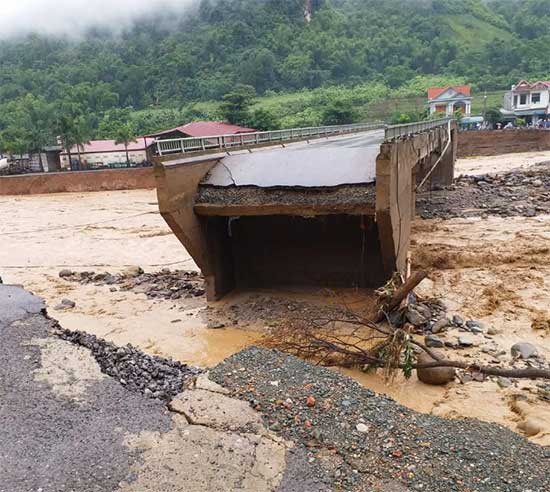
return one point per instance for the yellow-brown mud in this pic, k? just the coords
(495, 270)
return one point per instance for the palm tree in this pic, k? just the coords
(125, 134)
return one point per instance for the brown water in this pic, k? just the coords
(42, 234)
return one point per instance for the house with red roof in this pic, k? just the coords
(529, 101)
(100, 154)
(202, 129)
(448, 100)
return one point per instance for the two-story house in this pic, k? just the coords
(530, 102)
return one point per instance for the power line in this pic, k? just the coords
(74, 226)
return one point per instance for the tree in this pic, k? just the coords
(493, 116)
(125, 134)
(236, 104)
(263, 119)
(28, 126)
(339, 112)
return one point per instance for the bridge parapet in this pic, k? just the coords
(217, 143)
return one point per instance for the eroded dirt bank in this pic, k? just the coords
(494, 270)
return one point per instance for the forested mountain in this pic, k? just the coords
(170, 59)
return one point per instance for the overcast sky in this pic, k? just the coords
(74, 16)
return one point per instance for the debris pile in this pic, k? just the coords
(153, 376)
(166, 284)
(524, 193)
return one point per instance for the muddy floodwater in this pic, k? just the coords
(495, 270)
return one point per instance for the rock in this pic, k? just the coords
(457, 320)
(415, 317)
(492, 331)
(465, 342)
(133, 271)
(215, 325)
(433, 341)
(503, 382)
(65, 273)
(523, 350)
(531, 426)
(362, 428)
(440, 325)
(537, 182)
(474, 326)
(310, 401)
(424, 310)
(434, 375)
(65, 304)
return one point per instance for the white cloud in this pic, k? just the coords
(72, 17)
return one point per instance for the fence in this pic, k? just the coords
(224, 142)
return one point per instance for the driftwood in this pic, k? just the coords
(401, 293)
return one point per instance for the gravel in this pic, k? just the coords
(165, 284)
(153, 376)
(524, 193)
(401, 450)
(346, 195)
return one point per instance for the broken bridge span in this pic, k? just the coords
(329, 207)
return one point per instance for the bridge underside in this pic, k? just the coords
(345, 224)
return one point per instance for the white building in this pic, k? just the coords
(530, 102)
(98, 154)
(448, 100)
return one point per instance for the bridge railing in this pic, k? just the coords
(397, 131)
(225, 142)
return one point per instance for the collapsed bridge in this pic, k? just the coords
(328, 207)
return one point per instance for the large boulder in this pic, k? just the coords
(434, 375)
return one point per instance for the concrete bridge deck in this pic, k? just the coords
(327, 212)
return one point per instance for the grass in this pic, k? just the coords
(473, 31)
(287, 105)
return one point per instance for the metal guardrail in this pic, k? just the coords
(397, 131)
(225, 142)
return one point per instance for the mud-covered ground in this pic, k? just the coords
(489, 267)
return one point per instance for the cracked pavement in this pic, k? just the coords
(66, 426)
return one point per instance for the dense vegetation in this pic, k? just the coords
(353, 52)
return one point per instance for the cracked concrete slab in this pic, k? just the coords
(68, 369)
(204, 383)
(218, 411)
(193, 458)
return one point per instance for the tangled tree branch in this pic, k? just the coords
(349, 339)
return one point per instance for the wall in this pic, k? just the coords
(105, 180)
(502, 142)
(95, 159)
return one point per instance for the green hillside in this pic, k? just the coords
(345, 64)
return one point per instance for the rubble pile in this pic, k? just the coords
(524, 193)
(165, 284)
(429, 319)
(153, 376)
